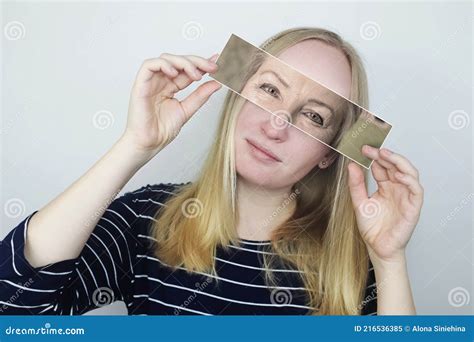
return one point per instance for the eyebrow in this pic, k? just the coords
(315, 101)
(277, 76)
(320, 103)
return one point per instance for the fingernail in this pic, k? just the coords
(214, 57)
(387, 151)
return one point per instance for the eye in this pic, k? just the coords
(315, 117)
(270, 89)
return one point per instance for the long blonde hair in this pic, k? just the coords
(320, 239)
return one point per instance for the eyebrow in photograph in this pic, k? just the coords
(277, 76)
(315, 101)
(321, 103)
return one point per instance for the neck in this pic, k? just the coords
(261, 210)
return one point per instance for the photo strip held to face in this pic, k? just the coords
(299, 101)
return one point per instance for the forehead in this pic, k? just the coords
(301, 86)
(318, 61)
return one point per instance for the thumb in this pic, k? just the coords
(357, 184)
(198, 97)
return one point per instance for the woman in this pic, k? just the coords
(276, 223)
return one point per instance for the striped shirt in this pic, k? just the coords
(117, 263)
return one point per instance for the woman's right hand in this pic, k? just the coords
(155, 117)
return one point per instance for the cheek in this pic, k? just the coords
(306, 153)
(249, 119)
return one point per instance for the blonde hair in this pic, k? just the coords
(321, 238)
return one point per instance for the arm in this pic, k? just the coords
(394, 295)
(57, 258)
(80, 206)
(386, 220)
(155, 118)
(102, 273)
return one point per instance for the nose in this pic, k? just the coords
(276, 125)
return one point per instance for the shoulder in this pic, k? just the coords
(137, 208)
(152, 195)
(141, 206)
(158, 190)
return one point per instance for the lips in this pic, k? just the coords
(264, 150)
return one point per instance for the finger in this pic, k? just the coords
(413, 185)
(357, 184)
(182, 80)
(379, 172)
(402, 163)
(198, 97)
(150, 66)
(183, 63)
(204, 65)
(374, 154)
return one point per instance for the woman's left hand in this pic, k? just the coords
(387, 219)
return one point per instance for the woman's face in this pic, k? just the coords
(290, 153)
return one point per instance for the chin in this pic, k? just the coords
(255, 174)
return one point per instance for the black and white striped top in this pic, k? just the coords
(117, 264)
